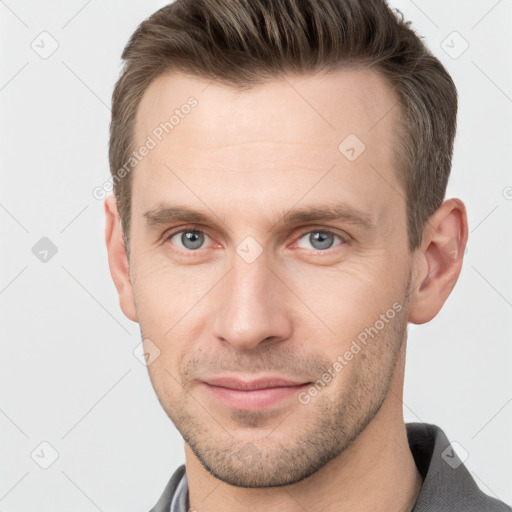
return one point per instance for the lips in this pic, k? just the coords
(262, 383)
(252, 394)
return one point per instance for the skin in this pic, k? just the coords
(246, 158)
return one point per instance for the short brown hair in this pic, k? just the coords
(243, 43)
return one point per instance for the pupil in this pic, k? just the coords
(321, 240)
(192, 239)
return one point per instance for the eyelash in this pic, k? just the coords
(325, 231)
(185, 229)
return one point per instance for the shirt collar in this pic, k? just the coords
(447, 484)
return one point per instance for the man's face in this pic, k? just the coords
(253, 291)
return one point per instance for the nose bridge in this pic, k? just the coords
(251, 306)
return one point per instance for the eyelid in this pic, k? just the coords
(174, 231)
(315, 229)
(309, 229)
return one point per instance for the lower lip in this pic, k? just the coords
(253, 399)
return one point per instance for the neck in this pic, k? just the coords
(376, 472)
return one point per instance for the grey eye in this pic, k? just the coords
(189, 239)
(319, 240)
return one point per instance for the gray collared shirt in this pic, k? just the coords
(179, 501)
(447, 484)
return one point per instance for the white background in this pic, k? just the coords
(67, 372)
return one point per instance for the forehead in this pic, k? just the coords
(348, 99)
(284, 134)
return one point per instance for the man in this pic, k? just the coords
(279, 217)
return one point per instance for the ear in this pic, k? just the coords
(117, 258)
(438, 261)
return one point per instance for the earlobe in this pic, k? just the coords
(438, 261)
(118, 260)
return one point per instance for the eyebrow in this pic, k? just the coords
(335, 213)
(166, 214)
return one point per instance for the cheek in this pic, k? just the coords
(168, 300)
(345, 299)
(164, 381)
(164, 293)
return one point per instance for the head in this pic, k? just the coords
(279, 172)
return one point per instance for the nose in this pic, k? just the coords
(252, 306)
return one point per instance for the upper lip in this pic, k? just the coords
(261, 383)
